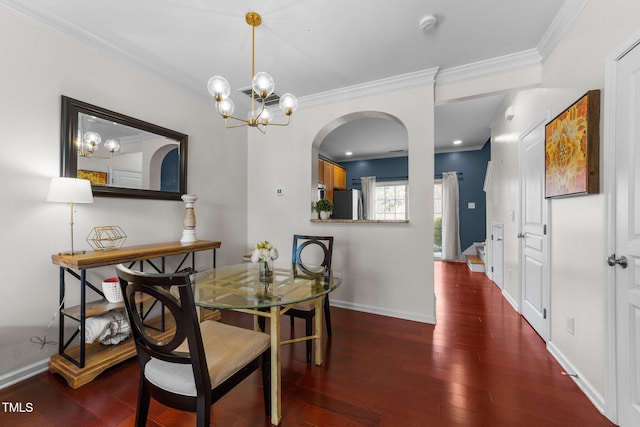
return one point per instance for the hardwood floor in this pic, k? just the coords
(481, 365)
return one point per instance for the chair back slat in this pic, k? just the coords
(174, 369)
(305, 244)
(180, 307)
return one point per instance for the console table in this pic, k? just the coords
(81, 364)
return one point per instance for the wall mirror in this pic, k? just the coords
(120, 155)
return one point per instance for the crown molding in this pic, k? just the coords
(511, 62)
(475, 147)
(566, 15)
(403, 81)
(59, 25)
(519, 60)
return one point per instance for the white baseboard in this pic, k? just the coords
(510, 300)
(23, 373)
(384, 312)
(583, 384)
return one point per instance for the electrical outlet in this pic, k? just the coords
(571, 324)
(280, 191)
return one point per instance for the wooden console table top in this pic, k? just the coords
(92, 259)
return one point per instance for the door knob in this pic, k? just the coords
(622, 261)
(521, 236)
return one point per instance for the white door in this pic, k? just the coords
(497, 255)
(627, 236)
(125, 178)
(533, 251)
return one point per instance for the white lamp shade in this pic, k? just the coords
(70, 190)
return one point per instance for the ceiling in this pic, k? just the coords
(308, 46)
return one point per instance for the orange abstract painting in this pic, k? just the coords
(96, 178)
(571, 149)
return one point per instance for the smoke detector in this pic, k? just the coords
(428, 22)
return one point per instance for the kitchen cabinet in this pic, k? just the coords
(333, 176)
(328, 180)
(339, 177)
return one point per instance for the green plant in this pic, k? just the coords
(324, 205)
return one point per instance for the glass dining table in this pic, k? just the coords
(238, 287)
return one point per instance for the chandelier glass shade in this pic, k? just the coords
(112, 145)
(262, 86)
(90, 142)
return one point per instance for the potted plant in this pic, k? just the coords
(324, 207)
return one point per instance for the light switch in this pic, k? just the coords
(471, 205)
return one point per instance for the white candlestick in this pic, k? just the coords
(189, 232)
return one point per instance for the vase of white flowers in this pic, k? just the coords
(264, 254)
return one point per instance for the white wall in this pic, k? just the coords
(577, 225)
(387, 268)
(40, 65)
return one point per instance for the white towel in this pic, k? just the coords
(108, 328)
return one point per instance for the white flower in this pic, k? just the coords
(264, 251)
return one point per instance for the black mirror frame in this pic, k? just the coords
(69, 155)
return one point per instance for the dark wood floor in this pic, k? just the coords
(482, 365)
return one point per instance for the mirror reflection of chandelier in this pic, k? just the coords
(91, 141)
(262, 86)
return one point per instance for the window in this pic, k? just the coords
(392, 200)
(437, 218)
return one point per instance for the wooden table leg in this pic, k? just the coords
(318, 329)
(276, 405)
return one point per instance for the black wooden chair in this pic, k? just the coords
(201, 362)
(311, 255)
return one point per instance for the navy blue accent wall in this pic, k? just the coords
(473, 165)
(390, 169)
(170, 172)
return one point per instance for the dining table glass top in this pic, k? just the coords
(239, 287)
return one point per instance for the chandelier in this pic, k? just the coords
(90, 142)
(262, 86)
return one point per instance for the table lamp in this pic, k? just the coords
(70, 190)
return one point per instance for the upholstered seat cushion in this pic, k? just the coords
(305, 305)
(227, 348)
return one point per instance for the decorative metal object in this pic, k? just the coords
(262, 87)
(106, 237)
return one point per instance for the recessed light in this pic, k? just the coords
(457, 142)
(348, 153)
